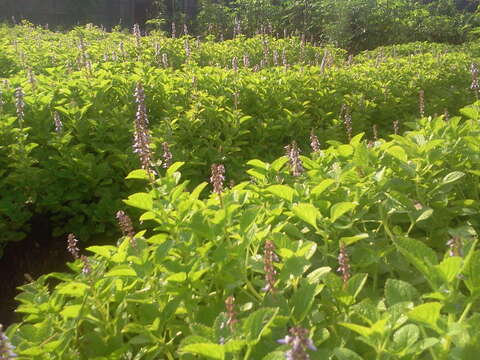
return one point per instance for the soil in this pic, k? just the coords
(36, 255)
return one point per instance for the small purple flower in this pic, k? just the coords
(269, 257)
(314, 142)
(72, 246)
(141, 145)
(293, 153)
(58, 122)
(20, 104)
(6, 347)
(299, 342)
(344, 262)
(125, 224)
(455, 246)
(217, 178)
(167, 156)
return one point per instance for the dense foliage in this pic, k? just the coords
(364, 247)
(273, 92)
(227, 276)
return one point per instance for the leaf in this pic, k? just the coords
(397, 291)
(452, 177)
(174, 167)
(450, 268)
(308, 213)
(209, 350)
(138, 174)
(121, 270)
(71, 311)
(346, 354)
(302, 301)
(283, 191)
(397, 152)
(315, 276)
(198, 190)
(359, 329)
(405, 337)
(140, 200)
(353, 239)
(427, 314)
(341, 208)
(257, 322)
(258, 164)
(422, 257)
(105, 250)
(324, 185)
(73, 288)
(424, 215)
(472, 271)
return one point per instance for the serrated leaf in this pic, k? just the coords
(208, 350)
(397, 291)
(307, 212)
(140, 200)
(257, 163)
(353, 239)
(282, 191)
(174, 167)
(397, 152)
(405, 337)
(340, 209)
(104, 251)
(324, 185)
(346, 354)
(73, 288)
(257, 322)
(138, 174)
(71, 311)
(426, 314)
(450, 268)
(121, 270)
(302, 301)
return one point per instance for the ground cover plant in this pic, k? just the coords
(363, 250)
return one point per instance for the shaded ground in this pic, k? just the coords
(38, 254)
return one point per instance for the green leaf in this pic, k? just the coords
(397, 291)
(140, 200)
(302, 301)
(308, 213)
(405, 337)
(258, 164)
(72, 288)
(424, 215)
(257, 323)
(121, 270)
(341, 208)
(353, 239)
(71, 311)
(324, 185)
(472, 271)
(208, 350)
(422, 257)
(174, 167)
(283, 191)
(452, 177)
(427, 314)
(198, 190)
(397, 152)
(104, 251)
(138, 174)
(450, 268)
(315, 276)
(346, 354)
(359, 329)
